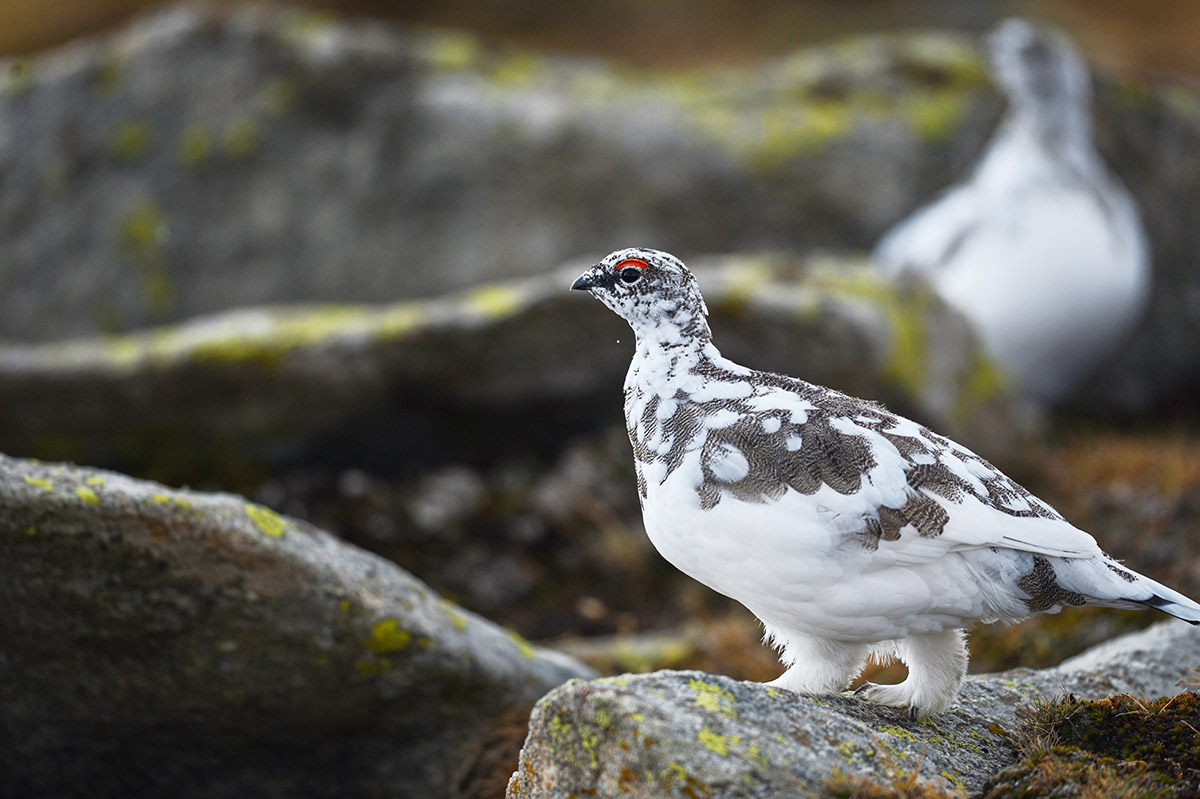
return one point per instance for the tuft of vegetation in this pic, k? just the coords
(897, 784)
(1114, 748)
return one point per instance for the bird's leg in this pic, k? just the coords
(937, 664)
(816, 665)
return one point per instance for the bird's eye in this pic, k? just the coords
(630, 275)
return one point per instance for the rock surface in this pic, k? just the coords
(201, 161)
(511, 367)
(669, 734)
(171, 643)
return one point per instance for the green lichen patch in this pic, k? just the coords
(451, 51)
(454, 615)
(39, 482)
(242, 138)
(195, 146)
(523, 646)
(268, 522)
(905, 311)
(713, 698)
(1108, 748)
(387, 636)
(87, 495)
(494, 301)
(716, 742)
(131, 140)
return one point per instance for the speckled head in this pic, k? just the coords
(650, 289)
(1037, 67)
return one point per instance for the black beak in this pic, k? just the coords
(598, 275)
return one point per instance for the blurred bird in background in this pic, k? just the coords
(1041, 247)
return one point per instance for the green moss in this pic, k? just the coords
(30, 531)
(95, 480)
(39, 482)
(268, 522)
(195, 146)
(131, 140)
(1105, 749)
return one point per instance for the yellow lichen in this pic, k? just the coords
(934, 115)
(387, 636)
(195, 145)
(713, 698)
(451, 51)
(31, 531)
(457, 620)
(494, 301)
(40, 482)
(523, 646)
(131, 140)
(268, 522)
(716, 742)
(87, 495)
(243, 138)
(94, 480)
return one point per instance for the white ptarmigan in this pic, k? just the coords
(846, 529)
(1041, 248)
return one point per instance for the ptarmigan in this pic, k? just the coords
(1041, 247)
(846, 529)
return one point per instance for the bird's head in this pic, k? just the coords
(651, 290)
(1037, 67)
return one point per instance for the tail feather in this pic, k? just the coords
(1105, 582)
(1175, 604)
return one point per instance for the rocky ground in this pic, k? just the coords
(329, 278)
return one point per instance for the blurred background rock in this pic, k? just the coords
(407, 193)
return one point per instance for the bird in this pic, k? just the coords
(1041, 247)
(849, 531)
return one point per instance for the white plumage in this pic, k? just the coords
(846, 529)
(1041, 247)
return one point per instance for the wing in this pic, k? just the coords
(941, 497)
(880, 482)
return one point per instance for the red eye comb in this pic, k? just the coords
(638, 262)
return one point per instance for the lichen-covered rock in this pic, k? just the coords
(200, 161)
(691, 734)
(171, 643)
(527, 362)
